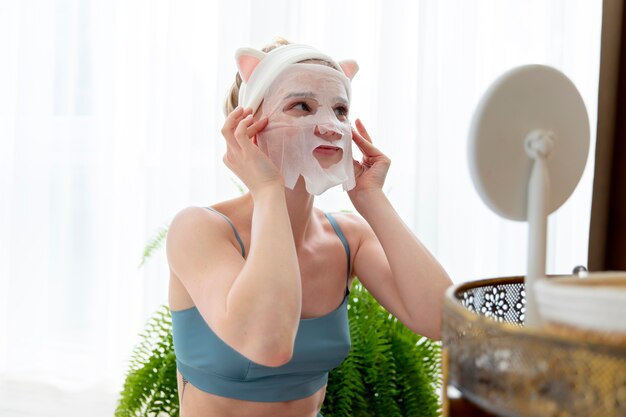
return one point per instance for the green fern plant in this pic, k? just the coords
(389, 372)
(150, 387)
(154, 244)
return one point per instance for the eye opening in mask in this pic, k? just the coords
(342, 108)
(300, 107)
(306, 104)
(341, 111)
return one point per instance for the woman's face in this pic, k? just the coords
(316, 97)
(308, 133)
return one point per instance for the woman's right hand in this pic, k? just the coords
(244, 157)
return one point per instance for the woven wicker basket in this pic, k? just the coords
(513, 371)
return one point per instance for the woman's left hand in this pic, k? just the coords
(370, 173)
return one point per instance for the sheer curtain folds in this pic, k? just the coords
(109, 124)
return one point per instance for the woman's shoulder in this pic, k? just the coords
(191, 220)
(198, 230)
(228, 208)
(210, 221)
(193, 214)
(348, 217)
(352, 224)
(201, 217)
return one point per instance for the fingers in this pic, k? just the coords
(241, 132)
(231, 123)
(365, 145)
(362, 131)
(257, 126)
(358, 168)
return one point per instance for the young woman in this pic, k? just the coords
(259, 283)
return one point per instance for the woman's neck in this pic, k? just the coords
(300, 209)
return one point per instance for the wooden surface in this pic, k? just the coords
(460, 407)
(457, 406)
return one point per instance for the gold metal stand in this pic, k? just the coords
(513, 371)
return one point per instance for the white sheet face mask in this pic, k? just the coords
(303, 100)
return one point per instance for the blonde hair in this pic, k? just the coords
(232, 98)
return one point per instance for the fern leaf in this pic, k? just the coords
(154, 244)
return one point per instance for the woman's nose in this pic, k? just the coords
(328, 134)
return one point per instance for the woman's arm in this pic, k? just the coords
(397, 269)
(390, 261)
(253, 305)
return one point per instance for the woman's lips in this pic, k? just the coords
(327, 150)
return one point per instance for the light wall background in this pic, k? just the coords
(110, 114)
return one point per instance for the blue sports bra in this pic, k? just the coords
(206, 361)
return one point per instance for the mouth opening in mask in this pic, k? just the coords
(328, 155)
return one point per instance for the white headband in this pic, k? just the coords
(259, 69)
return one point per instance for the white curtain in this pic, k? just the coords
(109, 124)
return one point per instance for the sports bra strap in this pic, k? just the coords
(243, 251)
(330, 218)
(344, 241)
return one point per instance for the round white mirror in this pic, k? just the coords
(522, 100)
(528, 147)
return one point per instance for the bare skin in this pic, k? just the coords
(295, 265)
(322, 262)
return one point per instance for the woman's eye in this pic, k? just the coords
(341, 111)
(301, 105)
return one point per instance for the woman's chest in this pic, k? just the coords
(323, 263)
(324, 277)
